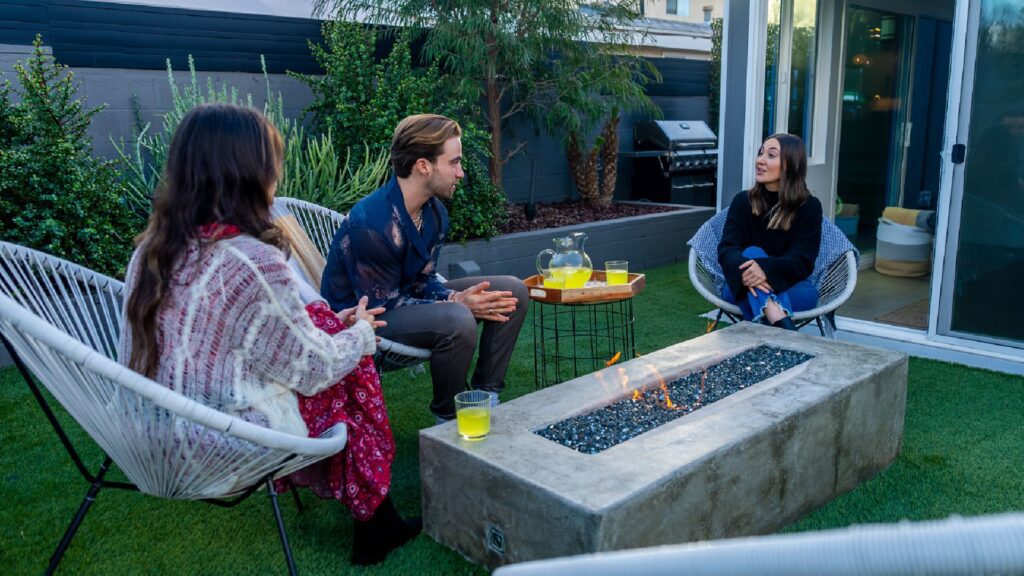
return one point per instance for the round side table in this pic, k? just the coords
(577, 337)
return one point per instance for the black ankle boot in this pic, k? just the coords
(382, 533)
(785, 322)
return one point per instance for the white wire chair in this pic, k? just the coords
(320, 224)
(61, 323)
(834, 287)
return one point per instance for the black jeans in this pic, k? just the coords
(448, 330)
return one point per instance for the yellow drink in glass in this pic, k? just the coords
(474, 423)
(576, 277)
(616, 277)
(616, 272)
(556, 278)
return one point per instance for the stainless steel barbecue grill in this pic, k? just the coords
(675, 161)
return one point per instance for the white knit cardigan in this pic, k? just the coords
(233, 334)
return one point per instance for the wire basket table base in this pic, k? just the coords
(571, 340)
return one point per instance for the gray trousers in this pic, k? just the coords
(448, 329)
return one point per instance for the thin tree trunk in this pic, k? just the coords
(494, 100)
(494, 114)
(609, 160)
(583, 166)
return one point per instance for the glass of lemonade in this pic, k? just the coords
(616, 272)
(554, 277)
(473, 414)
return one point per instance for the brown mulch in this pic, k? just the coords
(554, 214)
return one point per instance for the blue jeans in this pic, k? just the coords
(801, 296)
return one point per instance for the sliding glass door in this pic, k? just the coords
(983, 276)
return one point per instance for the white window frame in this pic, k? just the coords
(822, 74)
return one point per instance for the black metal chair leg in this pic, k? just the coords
(90, 497)
(280, 527)
(298, 501)
(714, 323)
(830, 324)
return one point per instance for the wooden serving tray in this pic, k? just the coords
(596, 291)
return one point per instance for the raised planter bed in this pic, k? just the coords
(645, 241)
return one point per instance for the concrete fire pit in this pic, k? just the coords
(750, 463)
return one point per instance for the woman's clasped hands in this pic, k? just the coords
(754, 278)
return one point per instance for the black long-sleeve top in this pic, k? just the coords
(791, 253)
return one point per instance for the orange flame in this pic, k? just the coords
(636, 395)
(668, 401)
(657, 375)
(623, 378)
(613, 359)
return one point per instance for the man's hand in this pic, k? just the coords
(349, 316)
(487, 305)
(754, 278)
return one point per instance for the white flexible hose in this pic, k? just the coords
(981, 545)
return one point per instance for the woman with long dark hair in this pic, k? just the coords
(214, 312)
(771, 238)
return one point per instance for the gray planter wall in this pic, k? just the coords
(645, 241)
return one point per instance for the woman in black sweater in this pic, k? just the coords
(771, 237)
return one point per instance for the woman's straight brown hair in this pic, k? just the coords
(223, 164)
(793, 190)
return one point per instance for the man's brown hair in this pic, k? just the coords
(420, 136)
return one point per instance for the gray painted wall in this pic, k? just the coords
(118, 87)
(553, 182)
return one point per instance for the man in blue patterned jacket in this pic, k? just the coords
(387, 249)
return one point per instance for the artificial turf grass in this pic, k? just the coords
(961, 453)
(132, 533)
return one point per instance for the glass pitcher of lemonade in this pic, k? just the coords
(568, 265)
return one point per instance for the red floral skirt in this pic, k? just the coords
(360, 475)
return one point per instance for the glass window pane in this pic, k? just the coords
(990, 251)
(771, 68)
(677, 7)
(802, 38)
(801, 78)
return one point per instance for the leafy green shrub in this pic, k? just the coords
(360, 101)
(316, 169)
(321, 176)
(54, 195)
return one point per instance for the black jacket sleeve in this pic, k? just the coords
(797, 262)
(734, 241)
